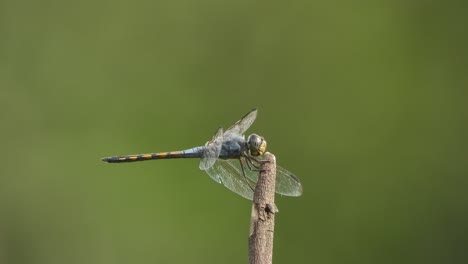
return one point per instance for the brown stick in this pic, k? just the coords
(262, 221)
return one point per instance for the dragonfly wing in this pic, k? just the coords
(211, 150)
(230, 175)
(287, 183)
(239, 128)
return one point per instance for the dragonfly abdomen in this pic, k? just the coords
(189, 153)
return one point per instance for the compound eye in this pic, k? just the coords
(257, 145)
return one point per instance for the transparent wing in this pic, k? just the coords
(211, 150)
(286, 182)
(229, 173)
(239, 128)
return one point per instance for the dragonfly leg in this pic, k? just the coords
(243, 174)
(252, 166)
(253, 163)
(257, 159)
(249, 162)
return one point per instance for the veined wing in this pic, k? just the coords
(229, 173)
(239, 128)
(286, 182)
(211, 150)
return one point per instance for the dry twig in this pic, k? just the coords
(262, 222)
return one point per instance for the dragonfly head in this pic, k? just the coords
(257, 145)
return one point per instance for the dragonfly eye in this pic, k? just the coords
(257, 145)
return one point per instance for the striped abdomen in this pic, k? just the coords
(189, 153)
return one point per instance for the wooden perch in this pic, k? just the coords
(262, 222)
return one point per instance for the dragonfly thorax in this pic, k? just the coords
(257, 145)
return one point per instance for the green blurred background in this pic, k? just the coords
(366, 102)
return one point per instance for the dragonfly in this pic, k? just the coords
(229, 159)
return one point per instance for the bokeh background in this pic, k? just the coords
(366, 102)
